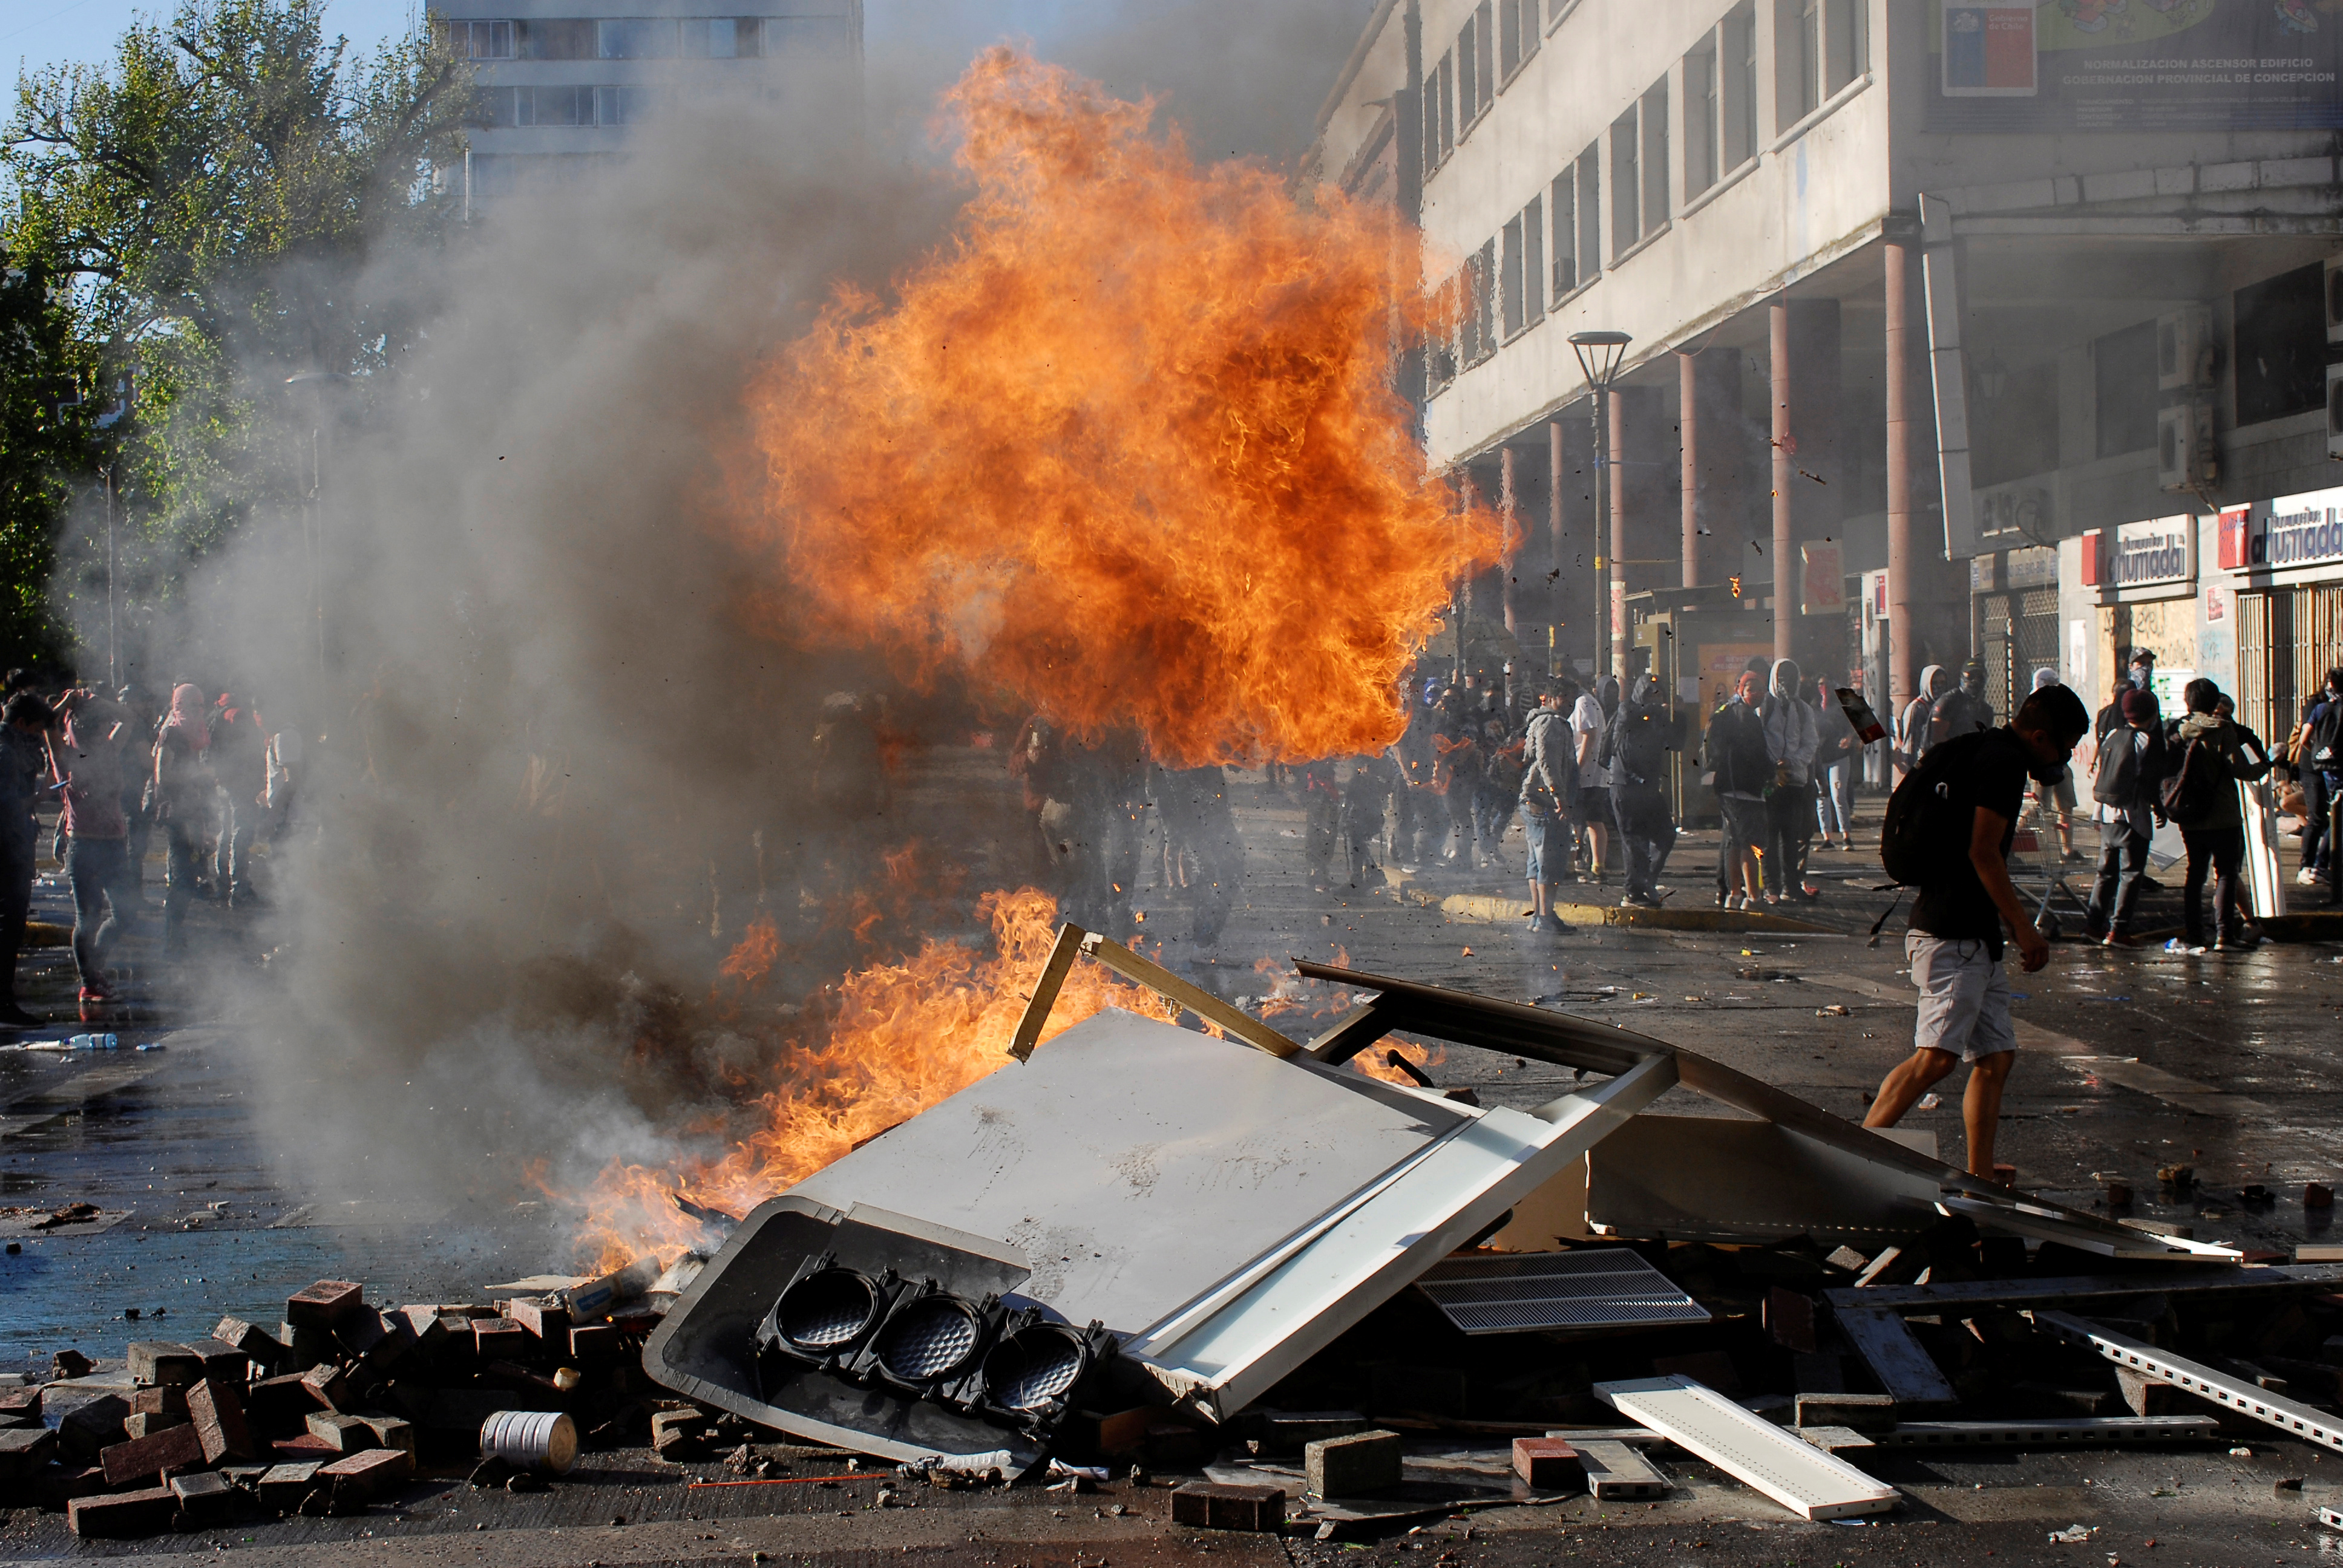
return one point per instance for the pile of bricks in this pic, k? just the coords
(328, 1413)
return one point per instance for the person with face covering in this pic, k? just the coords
(183, 789)
(1912, 727)
(1963, 710)
(1793, 735)
(1734, 750)
(1640, 737)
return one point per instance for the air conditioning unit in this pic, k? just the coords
(2185, 456)
(2334, 411)
(2184, 348)
(2335, 299)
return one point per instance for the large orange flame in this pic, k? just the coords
(901, 1038)
(1129, 444)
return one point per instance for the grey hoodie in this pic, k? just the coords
(1792, 730)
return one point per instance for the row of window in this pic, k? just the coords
(640, 38)
(499, 109)
(1554, 246)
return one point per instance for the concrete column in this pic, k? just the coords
(1901, 632)
(1615, 419)
(1785, 443)
(1688, 441)
(1557, 473)
(1807, 479)
(1508, 508)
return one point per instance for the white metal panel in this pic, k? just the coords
(2287, 1415)
(1794, 1473)
(1383, 1243)
(1140, 1165)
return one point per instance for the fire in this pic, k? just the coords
(900, 1037)
(1372, 1060)
(1127, 445)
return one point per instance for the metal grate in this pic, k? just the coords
(1594, 1288)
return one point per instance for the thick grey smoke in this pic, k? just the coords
(558, 766)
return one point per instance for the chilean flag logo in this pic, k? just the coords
(1989, 49)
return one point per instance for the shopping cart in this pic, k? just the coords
(2039, 875)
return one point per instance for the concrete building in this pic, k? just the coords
(562, 82)
(1922, 294)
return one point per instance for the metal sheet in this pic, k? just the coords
(1369, 1254)
(1961, 1296)
(1714, 1179)
(2087, 1431)
(2294, 1419)
(1700, 1420)
(1593, 1287)
(1140, 1165)
(2047, 1222)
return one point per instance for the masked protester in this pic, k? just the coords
(1793, 734)
(1734, 752)
(1963, 710)
(2207, 755)
(1956, 941)
(1912, 726)
(1641, 738)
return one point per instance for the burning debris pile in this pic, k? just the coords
(1303, 1294)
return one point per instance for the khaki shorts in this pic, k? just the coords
(1963, 998)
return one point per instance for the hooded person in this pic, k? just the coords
(1732, 750)
(2207, 755)
(2124, 778)
(183, 791)
(1912, 726)
(2057, 801)
(1793, 734)
(1965, 710)
(1640, 737)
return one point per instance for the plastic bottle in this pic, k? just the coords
(94, 1041)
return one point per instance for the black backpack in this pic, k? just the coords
(1917, 838)
(2186, 796)
(2323, 747)
(2128, 773)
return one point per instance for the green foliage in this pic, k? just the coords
(208, 205)
(43, 430)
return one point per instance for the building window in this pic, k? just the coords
(1509, 281)
(2124, 368)
(1590, 213)
(1483, 306)
(1468, 77)
(1564, 204)
(621, 105)
(635, 38)
(1819, 47)
(555, 38)
(1656, 206)
(1626, 185)
(553, 106)
(1737, 91)
(478, 40)
(1701, 168)
(722, 37)
(1533, 261)
(491, 107)
(1440, 111)
(2281, 345)
(1518, 33)
(1484, 55)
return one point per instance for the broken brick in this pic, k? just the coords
(146, 1458)
(160, 1361)
(24, 1449)
(146, 1423)
(223, 1362)
(1548, 1464)
(500, 1339)
(327, 1386)
(1359, 1465)
(20, 1403)
(284, 1486)
(389, 1431)
(217, 1410)
(92, 1425)
(342, 1433)
(369, 1474)
(1211, 1505)
(261, 1347)
(172, 1400)
(323, 1305)
(550, 1323)
(278, 1403)
(427, 1326)
(122, 1515)
(205, 1497)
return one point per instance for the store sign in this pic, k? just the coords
(2300, 531)
(1874, 589)
(2141, 555)
(1822, 579)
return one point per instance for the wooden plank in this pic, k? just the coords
(1068, 947)
(1240, 1025)
(1905, 1370)
(2082, 1289)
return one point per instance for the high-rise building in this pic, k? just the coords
(561, 83)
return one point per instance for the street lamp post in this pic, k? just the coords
(1599, 354)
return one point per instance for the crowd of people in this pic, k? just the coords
(209, 773)
(1782, 758)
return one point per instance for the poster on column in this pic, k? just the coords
(2129, 66)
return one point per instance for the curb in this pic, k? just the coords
(1489, 908)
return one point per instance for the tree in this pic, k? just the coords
(43, 427)
(206, 209)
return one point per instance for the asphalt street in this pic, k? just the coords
(2130, 1060)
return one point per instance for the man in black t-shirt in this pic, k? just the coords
(1956, 941)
